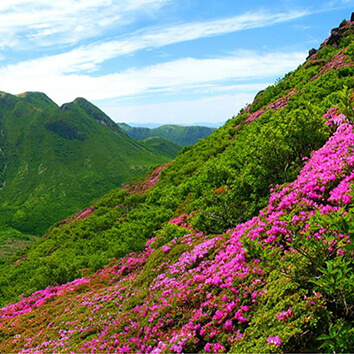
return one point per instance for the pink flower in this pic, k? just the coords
(274, 340)
(208, 348)
(85, 213)
(228, 325)
(285, 314)
(165, 248)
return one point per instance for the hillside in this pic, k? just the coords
(56, 160)
(243, 243)
(181, 135)
(163, 145)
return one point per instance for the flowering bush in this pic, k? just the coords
(237, 291)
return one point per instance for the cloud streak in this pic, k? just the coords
(30, 23)
(169, 77)
(161, 37)
(87, 58)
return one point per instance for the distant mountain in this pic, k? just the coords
(55, 160)
(163, 145)
(181, 135)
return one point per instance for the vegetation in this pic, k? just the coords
(163, 145)
(243, 243)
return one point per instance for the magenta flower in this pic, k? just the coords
(165, 248)
(228, 325)
(285, 314)
(274, 340)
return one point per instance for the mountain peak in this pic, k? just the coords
(97, 114)
(38, 99)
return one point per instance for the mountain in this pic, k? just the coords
(163, 145)
(243, 243)
(178, 134)
(56, 160)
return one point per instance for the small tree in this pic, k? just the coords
(346, 104)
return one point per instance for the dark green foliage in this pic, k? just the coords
(65, 130)
(241, 177)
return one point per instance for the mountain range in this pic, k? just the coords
(55, 160)
(243, 243)
(181, 135)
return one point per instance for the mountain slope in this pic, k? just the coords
(228, 264)
(163, 145)
(55, 160)
(252, 288)
(178, 134)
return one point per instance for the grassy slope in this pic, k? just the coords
(163, 145)
(277, 296)
(176, 133)
(272, 284)
(59, 160)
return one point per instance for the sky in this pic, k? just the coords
(159, 62)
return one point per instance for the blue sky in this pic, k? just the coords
(159, 61)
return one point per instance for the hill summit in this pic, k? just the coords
(244, 243)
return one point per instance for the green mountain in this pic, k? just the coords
(178, 134)
(243, 243)
(163, 145)
(55, 160)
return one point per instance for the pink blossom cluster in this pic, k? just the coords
(181, 220)
(274, 340)
(204, 298)
(334, 162)
(284, 315)
(85, 213)
(38, 298)
(282, 101)
(255, 115)
(334, 117)
(143, 187)
(276, 105)
(339, 60)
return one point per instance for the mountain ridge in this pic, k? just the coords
(178, 134)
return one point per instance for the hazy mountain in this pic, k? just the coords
(181, 135)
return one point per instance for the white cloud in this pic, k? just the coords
(87, 58)
(70, 74)
(170, 77)
(28, 23)
(211, 109)
(160, 37)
